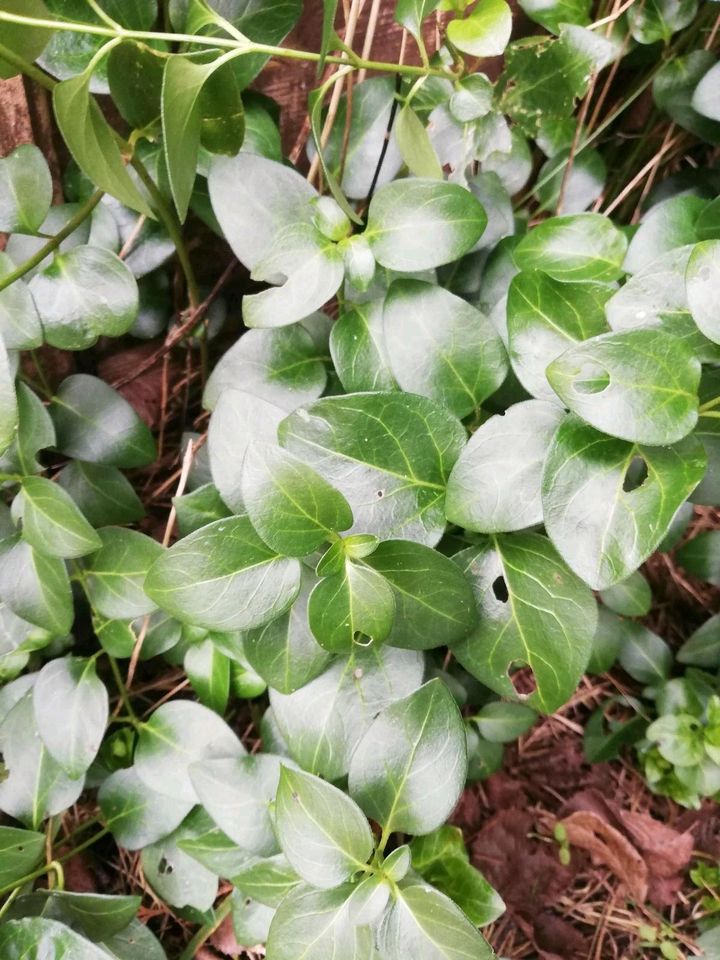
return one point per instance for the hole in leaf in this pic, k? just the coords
(380, 494)
(164, 867)
(635, 475)
(523, 680)
(591, 378)
(499, 588)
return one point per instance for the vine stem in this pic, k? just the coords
(242, 46)
(122, 690)
(44, 251)
(207, 930)
(55, 866)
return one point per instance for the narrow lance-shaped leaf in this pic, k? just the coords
(533, 612)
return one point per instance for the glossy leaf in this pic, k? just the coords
(115, 575)
(26, 938)
(102, 493)
(238, 794)
(411, 13)
(495, 485)
(702, 647)
(137, 815)
(8, 401)
(20, 326)
(418, 224)
(355, 606)
(584, 246)
(25, 190)
(701, 279)
(546, 316)
(322, 832)
(485, 31)
(292, 508)
(701, 556)
(179, 734)
(631, 597)
(135, 73)
(644, 655)
(52, 523)
(223, 577)
(35, 587)
(389, 454)
(433, 605)
(178, 878)
(458, 362)
(94, 423)
(409, 769)
(82, 295)
(358, 349)
(269, 880)
(311, 922)
(602, 514)
(71, 712)
(705, 99)
(208, 670)
(415, 146)
(323, 721)
(533, 612)
(20, 852)
(640, 385)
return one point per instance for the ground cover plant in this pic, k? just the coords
(325, 476)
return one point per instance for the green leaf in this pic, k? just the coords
(198, 508)
(35, 937)
(579, 185)
(495, 485)
(101, 492)
(659, 19)
(26, 42)
(631, 597)
(417, 224)
(208, 671)
(135, 942)
(71, 712)
(442, 860)
(415, 145)
(20, 851)
(36, 587)
(177, 735)
(315, 923)
(701, 279)
(601, 512)
(389, 454)
(216, 851)
(640, 385)
(369, 898)
(701, 556)
(427, 925)
(183, 111)
(281, 367)
(94, 423)
(355, 606)
(269, 880)
(434, 606)
(544, 318)
(358, 349)
(583, 246)
(95, 915)
(702, 648)
(533, 611)
(34, 785)
(552, 15)
(250, 919)
(8, 401)
(52, 523)
(238, 794)
(674, 87)
(292, 508)
(135, 73)
(485, 32)
(25, 189)
(35, 432)
(458, 363)
(408, 770)
(84, 294)
(501, 722)
(411, 13)
(323, 721)
(644, 655)
(115, 575)
(322, 832)
(223, 577)
(666, 226)
(20, 327)
(284, 651)
(253, 199)
(176, 876)
(92, 143)
(706, 99)
(137, 815)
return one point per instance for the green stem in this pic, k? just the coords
(122, 690)
(244, 46)
(207, 930)
(172, 225)
(29, 69)
(710, 413)
(54, 865)
(70, 227)
(709, 405)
